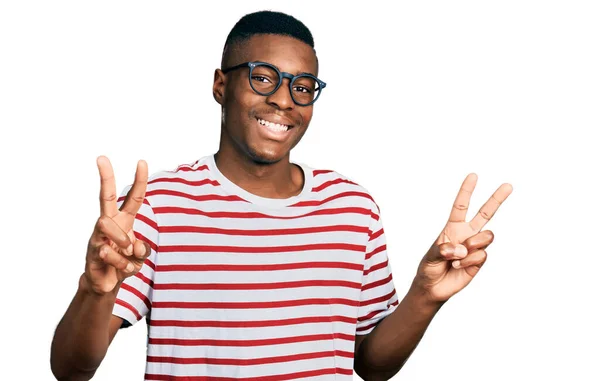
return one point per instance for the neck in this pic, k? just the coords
(275, 180)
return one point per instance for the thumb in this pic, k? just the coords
(141, 250)
(445, 252)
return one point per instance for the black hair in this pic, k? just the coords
(265, 22)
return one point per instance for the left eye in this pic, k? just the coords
(301, 89)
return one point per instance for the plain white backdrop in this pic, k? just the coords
(418, 95)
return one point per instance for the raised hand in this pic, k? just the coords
(459, 251)
(113, 252)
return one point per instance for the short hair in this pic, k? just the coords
(265, 22)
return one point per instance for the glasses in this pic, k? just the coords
(265, 79)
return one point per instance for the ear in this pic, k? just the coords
(219, 87)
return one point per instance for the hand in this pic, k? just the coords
(113, 252)
(459, 251)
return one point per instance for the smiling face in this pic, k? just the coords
(263, 128)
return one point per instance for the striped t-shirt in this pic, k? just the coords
(245, 287)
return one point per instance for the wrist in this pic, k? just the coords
(421, 297)
(87, 288)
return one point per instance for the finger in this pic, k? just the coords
(135, 196)
(447, 251)
(479, 241)
(488, 209)
(476, 258)
(108, 228)
(461, 203)
(141, 249)
(108, 188)
(114, 259)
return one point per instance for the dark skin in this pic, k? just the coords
(246, 156)
(260, 164)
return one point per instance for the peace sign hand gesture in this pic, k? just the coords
(459, 251)
(113, 252)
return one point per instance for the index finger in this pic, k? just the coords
(488, 209)
(135, 196)
(108, 188)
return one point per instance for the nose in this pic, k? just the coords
(282, 98)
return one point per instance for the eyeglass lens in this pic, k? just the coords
(264, 79)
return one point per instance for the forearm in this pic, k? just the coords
(82, 336)
(385, 350)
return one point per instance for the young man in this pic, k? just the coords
(249, 266)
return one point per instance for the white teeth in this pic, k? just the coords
(273, 126)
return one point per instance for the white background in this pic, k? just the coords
(418, 96)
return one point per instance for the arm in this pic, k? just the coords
(382, 353)
(449, 266)
(113, 254)
(84, 334)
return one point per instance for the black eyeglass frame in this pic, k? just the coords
(282, 75)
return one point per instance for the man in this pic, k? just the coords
(249, 266)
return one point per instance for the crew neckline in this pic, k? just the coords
(233, 188)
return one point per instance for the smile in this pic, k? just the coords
(275, 127)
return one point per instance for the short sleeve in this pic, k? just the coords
(134, 297)
(378, 296)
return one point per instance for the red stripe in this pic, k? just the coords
(376, 267)
(252, 323)
(129, 307)
(378, 283)
(262, 232)
(321, 171)
(261, 250)
(370, 316)
(248, 305)
(144, 279)
(332, 182)
(334, 197)
(379, 299)
(376, 235)
(184, 181)
(248, 343)
(273, 267)
(204, 197)
(135, 292)
(246, 362)
(372, 253)
(150, 264)
(278, 377)
(178, 210)
(256, 286)
(147, 221)
(188, 168)
(361, 329)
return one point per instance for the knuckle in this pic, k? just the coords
(461, 206)
(485, 214)
(122, 263)
(102, 223)
(109, 197)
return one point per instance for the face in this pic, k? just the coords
(248, 118)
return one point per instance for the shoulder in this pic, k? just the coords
(330, 183)
(178, 179)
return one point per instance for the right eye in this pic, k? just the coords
(260, 78)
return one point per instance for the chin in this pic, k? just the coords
(265, 156)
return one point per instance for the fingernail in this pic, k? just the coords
(460, 250)
(129, 267)
(130, 249)
(456, 264)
